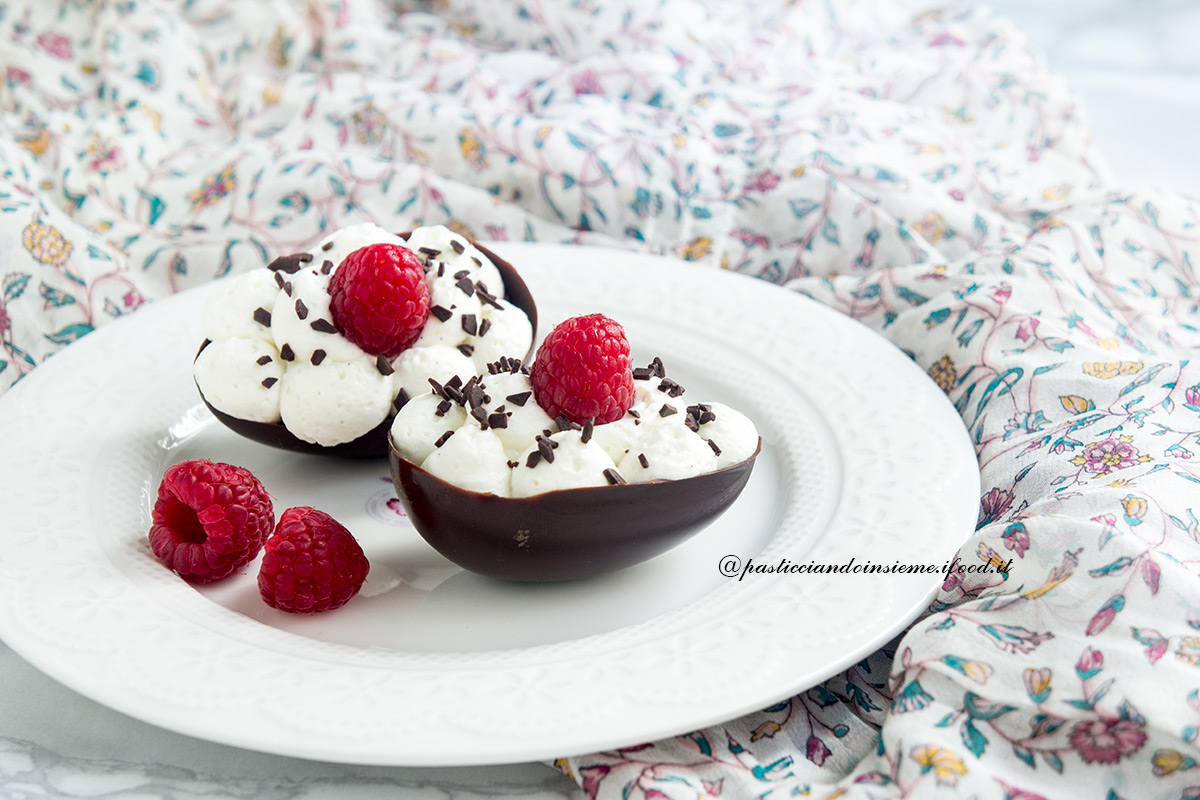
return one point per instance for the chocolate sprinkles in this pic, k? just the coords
(384, 365)
(498, 420)
(327, 268)
(401, 399)
(485, 296)
(323, 326)
(262, 361)
(546, 448)
(466, 350)
(469, 325)
(613, 477)
(327, 246)
(442, 439)
(519, 399)
(443, 407)
(457, 246)
(465, 286)
(667, 410)
(318, 356)
(290, 263)
(286, 352)
(716, 450)
(301, 309)
(484, 326)
(588, 427)
(262, 316)
(269, 382)
(645, 462)
(441, 312)
(533, 459)
(670, 387)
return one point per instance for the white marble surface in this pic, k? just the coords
(1136, 68)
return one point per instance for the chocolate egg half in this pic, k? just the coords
(374, 443)
(565, 534)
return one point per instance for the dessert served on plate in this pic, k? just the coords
(318, 350)
(576, 465)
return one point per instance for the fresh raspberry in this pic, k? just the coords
(209, 520)
(379, 298)
(311, 564)
(583, 370)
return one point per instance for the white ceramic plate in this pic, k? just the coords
(863, 459)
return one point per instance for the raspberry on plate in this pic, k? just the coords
(379, 298)
(209, 520)
(583, 370)
(311, 563)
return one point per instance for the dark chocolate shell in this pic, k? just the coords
(374, 443)
(566, 534)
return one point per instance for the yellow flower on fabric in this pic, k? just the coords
(929, 148)
(471, 148)
(933, 228)
(1135, 508)
(46, 244)
(271, 93)
(37, 143)
(798, 172)
(280, 44)
(459, 227)
(1076, 404)
(765, 731)
(564, 766)
(945, 765)
(1056, 192)
(695, 250)
(1167, 761)
(1111, 369)
(1111, 343)
(944, 374)
(1037, 683)
(214, 188)
(1189, 650)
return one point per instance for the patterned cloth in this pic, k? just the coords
(913, 167)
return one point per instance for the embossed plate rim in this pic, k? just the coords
(578, 701)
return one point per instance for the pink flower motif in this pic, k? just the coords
(497, 233)
(994, 503)
(4, 320)
(1027, 329)
(1001, 295)
(1016, 539)
(958, 194)
(1101, 458)
(764, 181)
(816, 751)
(14, 75)
(1106, 741)
(1089, 664)
(586, 82)
(132, 300)
(56, 45)
(1191, 395)
(945, 39)
(750, 238)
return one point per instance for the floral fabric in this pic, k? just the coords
(913, 166)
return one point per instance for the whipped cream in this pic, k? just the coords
(508, 443)
(275, 355)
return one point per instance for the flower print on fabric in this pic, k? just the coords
(912, 166)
